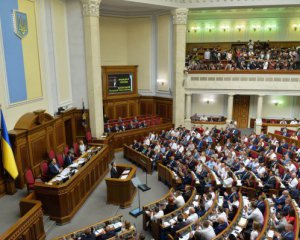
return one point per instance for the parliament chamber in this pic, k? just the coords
(143, 119)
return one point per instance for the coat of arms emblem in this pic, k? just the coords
(20, 24)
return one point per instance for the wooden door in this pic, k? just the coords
(241, 110)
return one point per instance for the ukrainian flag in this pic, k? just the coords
(8, 158)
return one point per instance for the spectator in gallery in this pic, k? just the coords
(120, 120)
(283, 121)
(107, 129)
(116, 128)
(123, 127)
(294, 121)
(105, 118)
(135, 120)
(131, 125)
(207, 54)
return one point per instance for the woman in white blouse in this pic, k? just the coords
(256, 227)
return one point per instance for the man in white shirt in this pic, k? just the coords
(293, 181)
(255, 215)
(193, 216)
(157, 214)
(207, 232)
(294, 121)
(208, 202)
(179, 201)
(291, 167)
(207, 54)
(173, 145)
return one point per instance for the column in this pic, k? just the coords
(91, 13)
(258, 122)
(229, 108)
(188, 111)
(179, 45)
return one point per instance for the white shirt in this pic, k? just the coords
(174, 146)
(256, 215)
(208, 204)
(261, 170)
(292, 167)
(294, 122)
(207, 233)
(227, 182)
(253, 235)
(293, 183)
(223, 215)
(192, 218)
(179, 201)
(218, 148)
(81, 148)
(158, 215)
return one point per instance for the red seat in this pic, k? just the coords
(44, 170)
(76, 149)
(51, 154)
(29, 178)
(280, 169)
(60, 159)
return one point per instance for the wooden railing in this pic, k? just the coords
(138, 158)
(265, 227)
(287, 139)
(166, 176)
(30, 226)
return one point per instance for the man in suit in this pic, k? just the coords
(105, 118)
(278, 148)
(280, 201)
(180, 224)
(113, 171)
(131, 125)
(89, 235)
(221, 226)
(54, 168)
(116, 128)
(270, 183)
(107, 129)
(68, 159)
(123, 127)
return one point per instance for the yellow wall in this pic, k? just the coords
(139, 49)
(113, 41)
(31, 57)
(60, 37)
(163, 52)
(127, 42)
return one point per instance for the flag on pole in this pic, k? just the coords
(8, 158)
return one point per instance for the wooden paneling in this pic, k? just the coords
(30, 226)
(241, 110)
(36, 133)
(62, 201)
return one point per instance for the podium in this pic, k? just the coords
(121, 191)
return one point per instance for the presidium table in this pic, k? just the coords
(63, 195)
(121, 190)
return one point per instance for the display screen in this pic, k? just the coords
(120, 83)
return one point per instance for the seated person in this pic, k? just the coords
(156, 214)
(54, 168)
(82, 147)
(254, 213)
(287, 234)
(116, 128)
(193, 216)
(108, 129)
(179, 200)
(89, 234)
(123, 127)
(179, 225)
(108, 233)
(207, 232)
(222, 224)
(171, 206)
(68, 159)
(131, 125)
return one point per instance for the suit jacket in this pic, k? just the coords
(52, 170)
(178, 226)
(170, 208)
(288, 236)
(108, 235)
(68, 161)
(91, 236)
(270, 183)
(280, 200)
(278, 150)
(220, 228)
(114, 173)
(261, 206)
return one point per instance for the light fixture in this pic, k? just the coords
(188, 30)
(225, 28)
(296, 27)
(276, 103)
(195, 29)
(208, 101)
(161, 81)
(240, 27)
(256, 28)
(210, 28)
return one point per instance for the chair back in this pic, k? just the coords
(60, 159)
(76, 149)
(44, 170)
(29, 177)
(51, 154)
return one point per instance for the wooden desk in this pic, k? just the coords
(127, 137)
(109, 141)
(166, 176)
(137, 158)
(100, 225)
(62, 201)
(121, 191)
(30, 225)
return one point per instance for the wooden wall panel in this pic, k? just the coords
(24, 152)
(59, 134)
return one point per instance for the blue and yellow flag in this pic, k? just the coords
(8, 158)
